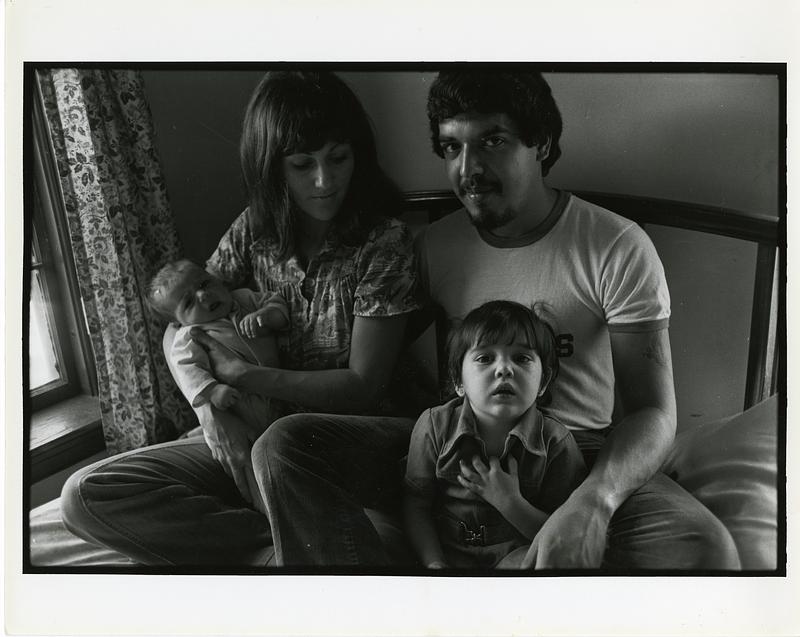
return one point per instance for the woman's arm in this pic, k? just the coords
(374, 348)
(421, 531)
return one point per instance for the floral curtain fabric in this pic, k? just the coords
(121, 231)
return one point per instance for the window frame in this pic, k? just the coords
(48, 226)
(63, 416)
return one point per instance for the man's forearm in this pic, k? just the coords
(639, 443)
(633, 452)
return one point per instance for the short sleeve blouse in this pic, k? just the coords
(376, 278)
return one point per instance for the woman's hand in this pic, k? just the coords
(225, 365)
(230, 441)
(491, 483)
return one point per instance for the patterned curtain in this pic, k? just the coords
(121, 231)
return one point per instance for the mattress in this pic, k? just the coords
(51, 544)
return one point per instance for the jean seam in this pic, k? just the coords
(351, 547)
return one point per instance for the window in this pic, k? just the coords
(62, 386)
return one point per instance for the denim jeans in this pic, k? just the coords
(169, 504)
(318, 473)
(172, 504)
(662, 526)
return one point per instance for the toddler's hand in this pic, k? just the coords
(224, 396)
(491, 483)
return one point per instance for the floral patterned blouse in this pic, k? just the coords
(377, 278)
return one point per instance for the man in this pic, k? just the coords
(517, 238)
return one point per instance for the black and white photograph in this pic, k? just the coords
(299, 330)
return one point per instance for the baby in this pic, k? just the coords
(242, 320)
(486, 469)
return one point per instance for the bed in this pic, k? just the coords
(730, 463)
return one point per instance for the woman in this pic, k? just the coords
(314, 231)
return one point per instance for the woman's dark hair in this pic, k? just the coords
(525, 97)
(504, 322)
(298, 111)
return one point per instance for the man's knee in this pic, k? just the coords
(715, 548)
(662, 526)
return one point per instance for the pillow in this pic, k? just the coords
(730, 465)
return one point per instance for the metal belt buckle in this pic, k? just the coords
(473, 538)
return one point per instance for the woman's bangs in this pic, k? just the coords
(310, 129)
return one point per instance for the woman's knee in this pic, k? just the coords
(74, 512)
(283, 437)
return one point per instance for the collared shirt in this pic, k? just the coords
(550, 465)
(377, 278)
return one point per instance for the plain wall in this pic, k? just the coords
(696, 137)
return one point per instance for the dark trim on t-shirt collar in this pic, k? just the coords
(534, 235)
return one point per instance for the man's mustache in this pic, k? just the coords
(478, 183)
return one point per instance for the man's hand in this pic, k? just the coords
(491, 483)
(225, 365)
(574, 536)
(224, 396)
(230, 441)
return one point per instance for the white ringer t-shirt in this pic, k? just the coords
(596, 271)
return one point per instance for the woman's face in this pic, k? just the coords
(318, 180)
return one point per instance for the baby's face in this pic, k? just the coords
(197, 297)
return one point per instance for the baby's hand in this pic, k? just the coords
(253, 325)
(491, 483)
(224, 396)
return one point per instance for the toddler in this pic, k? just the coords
(486, 469)
(242, 320)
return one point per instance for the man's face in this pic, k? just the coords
(494, 174)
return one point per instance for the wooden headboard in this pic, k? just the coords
(765, 231)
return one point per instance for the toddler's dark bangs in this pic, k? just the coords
(506, 332)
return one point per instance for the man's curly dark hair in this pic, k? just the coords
(524, 96)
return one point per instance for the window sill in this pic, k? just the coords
(64, 434)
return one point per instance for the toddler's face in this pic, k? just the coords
(501, 381)
(197, 297)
